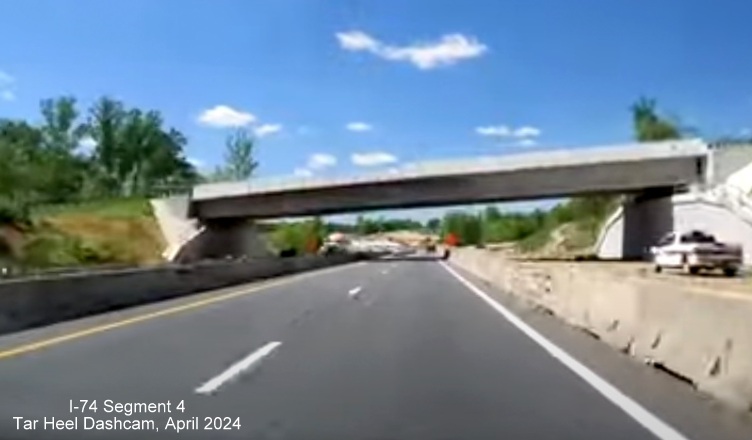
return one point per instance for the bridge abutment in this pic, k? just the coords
(226, 238)
(648, 215)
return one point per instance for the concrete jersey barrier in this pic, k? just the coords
(704, 337)
(31, 303)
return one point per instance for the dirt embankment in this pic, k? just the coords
(625, 270)
(105, 233)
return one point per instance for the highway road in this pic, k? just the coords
(384, 350)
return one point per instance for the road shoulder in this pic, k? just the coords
(671, 399)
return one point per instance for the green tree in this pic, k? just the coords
(367, 226)
(492, 213)
(465, 226)
(303, 236)
(21, 156)
(104, 125)
(434, 224)
(60, 129)
(315, 234)
(360, 224)
(649, 125)
(239, 158)
(472, 233)
(134, 153)
(61, 134)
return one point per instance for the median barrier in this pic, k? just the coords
(27, 303)
(704, 337)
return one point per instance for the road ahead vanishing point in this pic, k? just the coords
(378, 350)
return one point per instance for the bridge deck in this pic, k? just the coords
(511, 177)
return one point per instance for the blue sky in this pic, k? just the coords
(429, 79)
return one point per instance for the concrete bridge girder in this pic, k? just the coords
(501, 179)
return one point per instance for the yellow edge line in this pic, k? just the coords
(26, 348)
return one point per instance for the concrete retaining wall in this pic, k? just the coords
(177, 229)
(700, 335)
(725, 161)
(706, 211)
(31, 303)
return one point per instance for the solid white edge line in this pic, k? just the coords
(214, 383)
(652, 423)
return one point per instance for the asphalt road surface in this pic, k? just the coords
(379, 351)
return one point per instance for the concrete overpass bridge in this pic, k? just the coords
(633, 168)
(646, 172)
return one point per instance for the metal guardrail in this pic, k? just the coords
(14, 272)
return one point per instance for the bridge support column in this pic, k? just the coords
(647, 216)
(227, 238)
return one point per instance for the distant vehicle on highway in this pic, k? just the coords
(331, 248)
(695, 250)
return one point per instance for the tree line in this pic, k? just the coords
(531, 230)
(587, 213)
(110, 150)
(308, 235)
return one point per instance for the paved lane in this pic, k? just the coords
(389, 350)
(419, 358)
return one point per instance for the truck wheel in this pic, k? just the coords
(730, 271)
(686, 268)
(694, 270)
(657, 269)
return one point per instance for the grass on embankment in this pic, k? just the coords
(562, 240)
(97, 233)
(571, 229)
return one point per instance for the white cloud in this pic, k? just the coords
(503, 131)
(527, 143)
(267, 129)
(321, 160)
(357, 41)
(6, 81)
(223, 116)
(359, 126)
(196, 162)
(527, 132)
(87, 142)
(303, 172)
(494, 130)
(86, 145)
(372, 159)
(448, 50)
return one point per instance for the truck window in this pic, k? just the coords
(666, 240)
(697, 237)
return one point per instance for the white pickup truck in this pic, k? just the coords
(693, 251)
